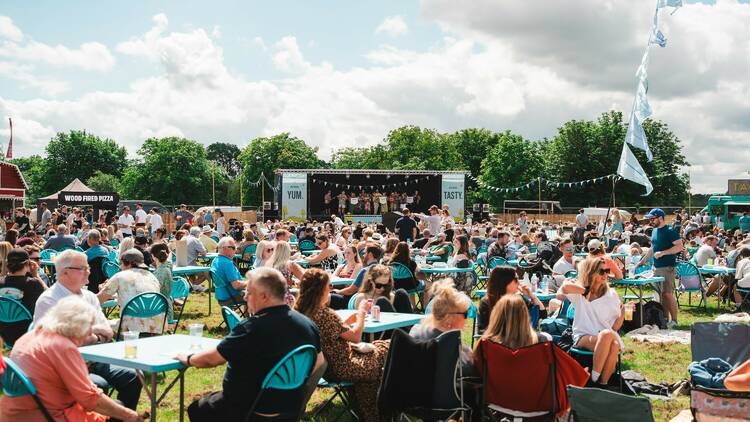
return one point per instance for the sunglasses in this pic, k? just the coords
(603, 271)
(465, 313)
(230, 247)
(37, 258)
(380, 286)
(570, 249)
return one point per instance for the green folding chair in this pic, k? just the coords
(597, 405)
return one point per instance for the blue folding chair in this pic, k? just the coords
(402, 272)
(352, 301)
(306, 245)
(113, 255)
(231, 318)
(145, 305)
(494, 262)
(180, 292)
(110, 268)
(289, 374)
(114, 243)
(12, 311)
(690, 281)
(17, 384)
(46, 254)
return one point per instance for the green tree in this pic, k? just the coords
(473, 146)
(359, 158)
(513, 161)
(266, 155)
(79, 155)
(104, 182)
(171, 171)
(226, 155)
(34, 169)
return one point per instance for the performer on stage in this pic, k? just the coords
(342, 202)
(375, 202)
(327, 198)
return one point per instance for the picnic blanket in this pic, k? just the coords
(738, 317)
(652, 334)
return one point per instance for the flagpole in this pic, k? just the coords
(539, 190)
(213, 185)
(242, 175)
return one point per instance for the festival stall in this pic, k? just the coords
(76, 193)
(12, 187)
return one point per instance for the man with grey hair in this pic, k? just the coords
(72, 275)
(227, 278)
(61, 240)
(95, 254)
(251, 350)
(133, 279)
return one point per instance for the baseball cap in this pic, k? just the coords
(207, 229)
(656, 212)
(594, 244)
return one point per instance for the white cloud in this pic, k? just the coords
(24, 74)
(393, 26)
(9, 30)
(88, 56)
(288, 57)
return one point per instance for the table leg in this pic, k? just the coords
(182, 395)
(153, 396)
(640, 301)
(210, 286)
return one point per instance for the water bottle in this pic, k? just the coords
(534, 282)
(526, 281)
(545, 283)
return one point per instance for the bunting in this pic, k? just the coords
(359, 186)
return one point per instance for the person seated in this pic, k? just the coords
(280, 260)
(444, 247)
(62, 240)
(340, 297)
(351, 266)
(141, 243)
(251, 350)
(205, 238)
(328, 257)
(739, 378)
(390, 247)
(49, 357)
(503, 281)
(421, 242)
(499, 247)
(263, 252)
(461, 258)
(345, 363)
(23, 284)
(596, 250)
(566, 262)
(449, 312)
(228, 283)
(598, 316)
(378, 287)
(742, 276)
(402, 256)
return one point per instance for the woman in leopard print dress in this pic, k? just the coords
(336, 338)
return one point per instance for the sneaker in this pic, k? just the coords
(671, 325)
(198, 288)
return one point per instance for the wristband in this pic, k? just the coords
(187, 361)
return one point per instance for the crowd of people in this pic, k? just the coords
(260, 266)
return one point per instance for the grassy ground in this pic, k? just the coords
(659, 363)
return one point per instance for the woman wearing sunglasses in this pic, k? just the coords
(598, 316)
(378, 286)
(503, 281)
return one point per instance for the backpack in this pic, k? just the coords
(548, 252)
(653, 314)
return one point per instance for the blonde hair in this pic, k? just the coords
(5, 247)
(374, 273)
(390, 245)
(280, 257)
(589, 268)
(126, 244)
(510, 324)
(262, 246)
(445, 299)
(635, 246)
(71, 317)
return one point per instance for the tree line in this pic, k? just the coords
(178, 170)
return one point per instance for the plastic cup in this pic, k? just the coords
(131, 347)
(629, 309)
(196, 332)
(710, 261)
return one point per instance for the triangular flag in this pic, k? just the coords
(642, 107)
(9, 154)
(636, 136)
(629, 168)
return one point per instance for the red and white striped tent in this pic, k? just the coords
(13, 187)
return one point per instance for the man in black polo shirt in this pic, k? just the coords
(406, 227)
(251, 350)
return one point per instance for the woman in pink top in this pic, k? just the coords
(49, 356)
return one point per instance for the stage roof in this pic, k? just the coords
(371, 171)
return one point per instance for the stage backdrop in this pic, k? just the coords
(294, 200)
(453, 194)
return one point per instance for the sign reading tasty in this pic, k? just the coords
(99, 200)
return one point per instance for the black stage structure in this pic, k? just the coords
(301, 192)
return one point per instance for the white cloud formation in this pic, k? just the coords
(393, 26)
(88, 56)
(25, 75)
(527, 66)
(9, 30)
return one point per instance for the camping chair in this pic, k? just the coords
(17, 384)
(730, 342)
(690, 281)
(11, 312)
(145, 305)
(594, 405)
(518, 383)
(113, 255)
(247, 258)
(435, 374)
(236, 304)
(402, 272)
(110, 268)
(306, 245)
(352, 301)
(571, 274)
(230, 317)
(289, 374)
(180, 292)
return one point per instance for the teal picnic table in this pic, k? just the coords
(155, 355)
(340, 281)
(716, 269)
(388, 320)
(192, 270)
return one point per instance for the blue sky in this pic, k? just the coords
(342, 73)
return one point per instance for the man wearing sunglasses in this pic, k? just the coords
(666, 244)
(565, 263)
(228, 281)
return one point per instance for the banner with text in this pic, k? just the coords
(453, 194)
(294, 196)
(98, 200)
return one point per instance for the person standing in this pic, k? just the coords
(581, 223)
(126, 222)
(46, 216)
(406, 227)
(140, 214)
(523, 223)
(155, 221)
(434, 220)
(666, 245)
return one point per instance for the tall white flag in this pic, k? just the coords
(629, 168)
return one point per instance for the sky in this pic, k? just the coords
(339, 73)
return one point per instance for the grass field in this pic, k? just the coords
(659, 363)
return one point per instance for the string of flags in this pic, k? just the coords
(409, 181)
(556, 184)
(262, 179)
(629, 167)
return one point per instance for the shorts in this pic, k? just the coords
(669, 274)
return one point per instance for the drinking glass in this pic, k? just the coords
(196, 332)
(131, 348)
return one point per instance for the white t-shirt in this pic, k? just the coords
(562, 266)
(156, 222)
(433, 222)
(581, 220)
(591, 318)
(702, 255)
(126, 220)
(140, 216)
(743, 273)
